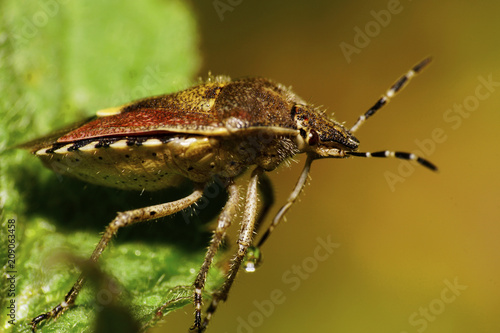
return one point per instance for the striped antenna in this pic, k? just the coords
(396, 154)
(396, 87)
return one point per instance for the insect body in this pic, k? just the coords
(194, 134)
(216, 129)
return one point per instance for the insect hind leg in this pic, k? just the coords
(223, 224)
(245, 239)
(122, 219)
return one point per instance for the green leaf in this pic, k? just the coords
(60, 61)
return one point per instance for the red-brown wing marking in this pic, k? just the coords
(146, 121)
(51, 138)
(215, 109)
(212, 109)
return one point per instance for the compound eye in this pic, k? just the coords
(313, 138)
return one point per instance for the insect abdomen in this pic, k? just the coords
(151, 164)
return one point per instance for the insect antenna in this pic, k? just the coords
(393, 90)
(395, 154)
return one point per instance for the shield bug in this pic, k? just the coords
(217, 129)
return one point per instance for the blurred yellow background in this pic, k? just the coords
(419, 254)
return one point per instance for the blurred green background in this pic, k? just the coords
(417, 255)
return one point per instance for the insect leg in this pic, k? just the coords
(291, 199)
(253, 256)
(395, 154)
(244, 241)
(267, 197)
(223, 223)
(123, 219)
(396, 87)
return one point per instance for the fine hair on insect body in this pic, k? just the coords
(213, 131)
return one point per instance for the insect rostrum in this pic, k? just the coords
(216, 129)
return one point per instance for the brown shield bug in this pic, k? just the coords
(216, 129)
